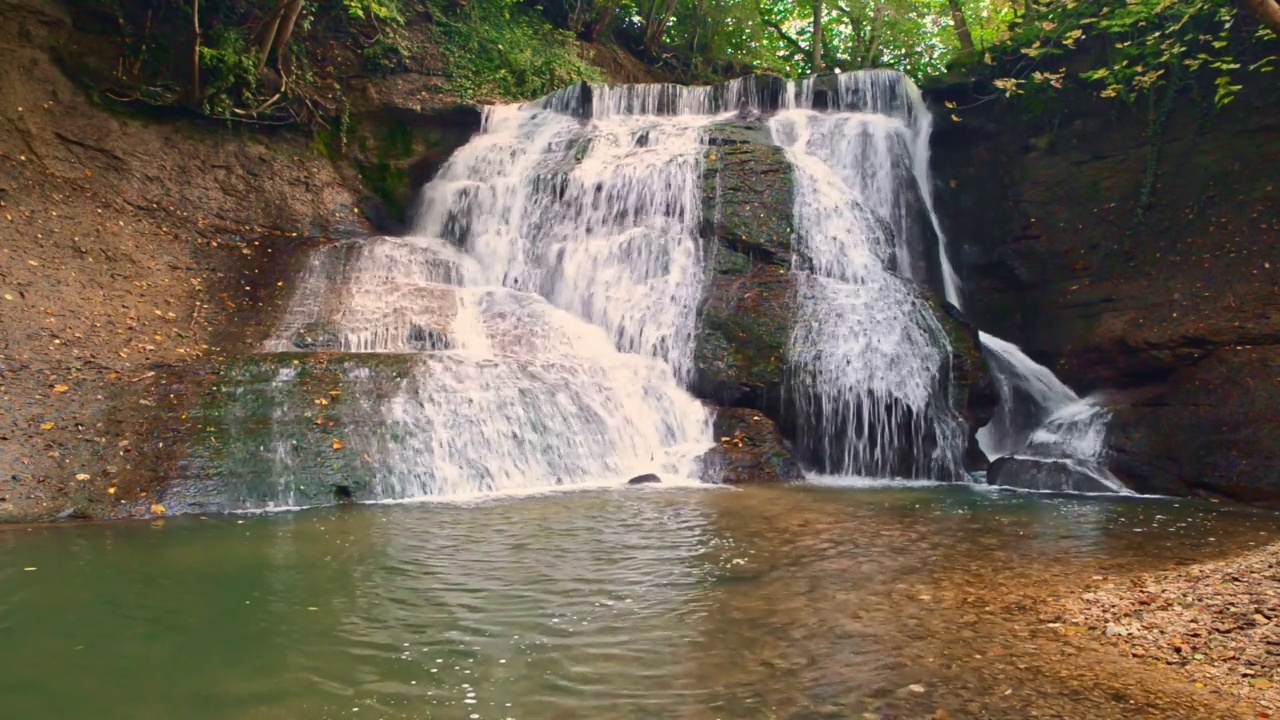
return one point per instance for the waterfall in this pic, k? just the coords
(547, 297)
(867, 352)
(1038, 414)
(539, 321)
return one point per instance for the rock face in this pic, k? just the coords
(972, 388)
(1123, 264)
(750, 450)
(746, 319)
(1045, 475)
(204, 226)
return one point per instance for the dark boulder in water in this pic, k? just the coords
(646, 479)
(750, 449)
(1046, 475)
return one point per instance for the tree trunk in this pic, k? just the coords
(1268, 11)
(276, 31)
(817, 36)
(962, 26)
(268, 38)
(195, 51)
(872, 58)
(292, 10)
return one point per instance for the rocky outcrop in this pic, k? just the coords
(400, 130)
(1129, 262)
(749, 449)
(746, 318)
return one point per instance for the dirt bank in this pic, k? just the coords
(132, 256)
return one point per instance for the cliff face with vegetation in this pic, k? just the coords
(1135, 250)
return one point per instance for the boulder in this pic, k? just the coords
(1046, 475)
(646, 479)
(750, 450)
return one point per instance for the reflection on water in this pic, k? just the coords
(768, 603)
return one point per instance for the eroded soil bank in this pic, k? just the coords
(133, 255)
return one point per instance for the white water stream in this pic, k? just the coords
(866, 351)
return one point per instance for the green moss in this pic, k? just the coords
(748, 192)
(743, 337)
(384, 154)
(748, 198)
(295, 425)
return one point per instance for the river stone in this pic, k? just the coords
(646, 479)
(1046, 475)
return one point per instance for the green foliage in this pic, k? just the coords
(229, 70)
(388, 12)
(500, 50)
(1145, 43)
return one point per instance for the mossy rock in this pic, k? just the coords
(749, 449)
(396, 150)
(746, 319)
(290, 429)
(970, 387)
(748, 193)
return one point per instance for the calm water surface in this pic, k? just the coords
(766, 603)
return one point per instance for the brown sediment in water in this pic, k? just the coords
(1217, 623)
(969, 619)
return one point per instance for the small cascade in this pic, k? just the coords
(867, 353)
(600, 218)
(498, 390)
(1029, 395)
(1041, 419)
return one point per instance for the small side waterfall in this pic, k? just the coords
(1040, 418)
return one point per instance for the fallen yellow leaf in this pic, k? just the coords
(111, 491)
(59, 389)
(46, 426)
(157, 509)
(337, 444)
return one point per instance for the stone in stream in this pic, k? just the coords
(1045, 475)
(751, 449)
(646, 479)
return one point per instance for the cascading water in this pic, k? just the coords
(543, 312)
(867, 352)
(1040, 418)
(549, 291)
